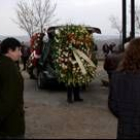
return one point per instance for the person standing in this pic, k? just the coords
(25, 54)
(112, 61)
(73, 91)
(124, 94)
(105, 49)
(12, 123)
(112, 46)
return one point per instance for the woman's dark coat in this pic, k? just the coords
(124, 102)
(11, 99)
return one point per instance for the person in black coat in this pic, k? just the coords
(124, 95)
(12, 123)
(105, 49)
(73, 92)
(25, 54)
(112, 61)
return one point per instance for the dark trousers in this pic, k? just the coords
(24, 61)
(73, 91)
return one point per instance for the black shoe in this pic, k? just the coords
(78, 100)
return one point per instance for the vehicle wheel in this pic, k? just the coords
(40, 81)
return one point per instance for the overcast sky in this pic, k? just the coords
(94, 13)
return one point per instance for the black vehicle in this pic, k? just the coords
(46, 75)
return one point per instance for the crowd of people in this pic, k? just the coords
(122, 66)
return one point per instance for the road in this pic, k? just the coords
(48, 115)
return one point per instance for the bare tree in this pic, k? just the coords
(115, 21)
(34, 15)
(116, 24)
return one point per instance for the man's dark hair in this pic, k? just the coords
(9, 43)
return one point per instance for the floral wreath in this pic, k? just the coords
(72, 53)
(36, 44)
(36, 40)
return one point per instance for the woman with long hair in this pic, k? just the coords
(124, 95)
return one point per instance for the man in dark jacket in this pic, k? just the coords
(12, 124)
(25, 54)
(112, 61)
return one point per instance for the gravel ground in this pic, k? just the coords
(48, 115)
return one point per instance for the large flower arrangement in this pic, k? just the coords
(36, 41)
(36, 45)
(72, 53)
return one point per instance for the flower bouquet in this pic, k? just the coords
(36, 45)
(72, 55)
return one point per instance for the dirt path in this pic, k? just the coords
(48, 115)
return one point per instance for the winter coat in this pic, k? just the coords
(112, 61)
(124, 102)
(25, 51)
(11, 99)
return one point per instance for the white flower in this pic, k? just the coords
(56, 40)
(73, 62)
(57, 31)
(66, 60)
(66, 54)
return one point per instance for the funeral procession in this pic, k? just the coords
(69, 69)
